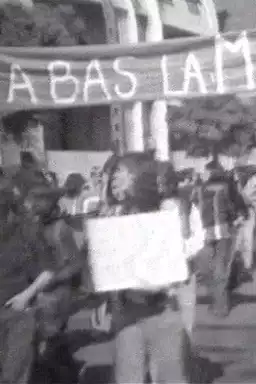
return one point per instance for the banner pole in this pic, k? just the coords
(158, 113)
(133, 111)
(116, 110)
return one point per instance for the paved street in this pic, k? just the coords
(230, 342)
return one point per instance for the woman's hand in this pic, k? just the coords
(19, 302)
(101, 319)
(239, 221)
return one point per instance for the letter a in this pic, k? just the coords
(25, 84)
(193, 70)
(94, 65)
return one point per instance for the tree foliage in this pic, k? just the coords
(42, 25)
(208, 125)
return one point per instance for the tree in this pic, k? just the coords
(40, 25)
(206, 126)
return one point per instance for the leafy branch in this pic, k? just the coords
(42, 25)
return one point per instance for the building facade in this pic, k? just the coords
(145, 124)
(236, 15)
(135, 126)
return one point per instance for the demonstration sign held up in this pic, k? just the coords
(142, 251)
(34, 78)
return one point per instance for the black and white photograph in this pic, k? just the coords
(127, 191)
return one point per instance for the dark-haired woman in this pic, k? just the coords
(148, 325)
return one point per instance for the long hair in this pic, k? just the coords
(108, 170)
(138, 182)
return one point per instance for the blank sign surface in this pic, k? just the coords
(137, 251)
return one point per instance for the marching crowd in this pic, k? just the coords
(42, 268)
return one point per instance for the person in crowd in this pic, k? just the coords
(246, 178)
(37, 209)
(220, 204)
(147, 325)
(17, 328)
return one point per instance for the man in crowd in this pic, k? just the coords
(246, 179)
(50, 249)
(17, 328)
(220, 204)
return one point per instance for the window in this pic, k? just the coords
(194, 6)
(81, 129)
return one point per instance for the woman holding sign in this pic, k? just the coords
(147, 320)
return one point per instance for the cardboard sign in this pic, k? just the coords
(143, 251)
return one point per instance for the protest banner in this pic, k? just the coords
(35, 78)
(142, 251)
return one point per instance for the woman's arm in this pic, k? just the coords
(46, 281)
(22, 300)
(65, 274)
(70, 260)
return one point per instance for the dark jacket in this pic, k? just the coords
(220, 203)
(54, 305)
(23, 256)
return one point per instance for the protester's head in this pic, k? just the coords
(133, 182)
(73, 185)
(35, 191)
(168, 181)
(28, 160)
(140, 183)
(28, 186)
(212, 169)
(242, 134)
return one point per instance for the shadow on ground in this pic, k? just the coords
(236, 299)
(97, 375)
(202, 371)
(197, 368)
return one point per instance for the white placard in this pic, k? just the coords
(137, 251)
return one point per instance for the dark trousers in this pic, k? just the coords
(218, 255)
(17, 330)
(55, 365)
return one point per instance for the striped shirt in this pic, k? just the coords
(216, 212)
(249, 192)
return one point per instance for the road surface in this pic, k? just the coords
(229, 343)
